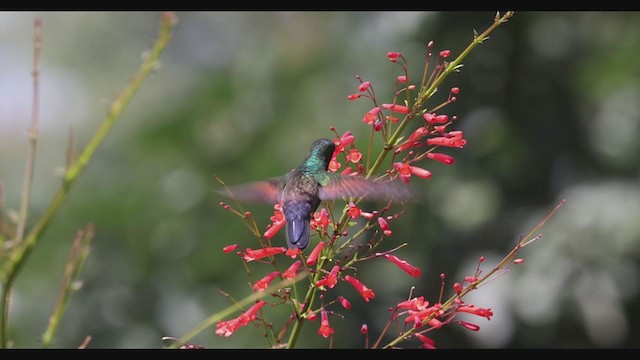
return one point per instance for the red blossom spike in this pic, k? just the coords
(251, 255)
(445, 159)
(315, 253)
(366, 293)
(325, 329)
(227, 328)
(263, 283)
(344, 302)
(290, 273)
(404, 265)
(229, 248)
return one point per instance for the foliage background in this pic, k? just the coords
(549, 106)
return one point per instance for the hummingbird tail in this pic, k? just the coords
(298, 233)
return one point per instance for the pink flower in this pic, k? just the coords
(393, 56)
(293, 252)
(290, 273)
(354, 155)
(417, 317)
(334, 165)
(313, 257)
(415, 304)
(455, 90)
(364, 86)
(364, 291)
(311, 315)
(325, 329)
(404, 265)
(403, 79)
(353, 96)
(445, 53)
(229, 248)
(405, 171)
(445, 159)
(345, 140)
(331, 279)
(472, 309)
(320, 219)
(364, 329)
(457, 288)
(344, 302)
(226, 328)
(371, 116)
(263, 283)
(396, 108)
(427, 342)
(518, 261)
(278, 222)
(250, 255)
(354, 211)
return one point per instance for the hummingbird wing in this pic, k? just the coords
(337, 186)
(258, 191)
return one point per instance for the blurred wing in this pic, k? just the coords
(336, 186)
(259, 191)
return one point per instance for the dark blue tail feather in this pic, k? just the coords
(298, 233)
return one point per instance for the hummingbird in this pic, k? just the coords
(301, 190)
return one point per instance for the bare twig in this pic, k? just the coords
(85, 343)
(79, 252)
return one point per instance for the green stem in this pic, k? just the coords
(18, 257)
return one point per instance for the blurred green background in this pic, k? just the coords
(549, 106)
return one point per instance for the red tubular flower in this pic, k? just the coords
(354, 155)
(371, 116)
(383, 223)
(313, 257)
(290, 273)
(404, 265)
(445, 141)
(403, 79)
(250, 255)
(435, 323)
(397, 108)
(320, 219)
(311, 315)
(435, 119)
(445, 159)
(226, 328)
(417, 317)
(331, 279)
(366, 293)
(405, 171)
(472, 309)
(470, 279)
(457, 288)
(470, 326)
(344, 302)
(354, 211)
(278, 222)
(393, 56)
(364, 86)
(440, 128)
(263, 283)
(445, 53)
(415, 304)
(518, 261)
(345, 140)
(427, 342)
(229, 248)
(325, 329)
(353, 96)
(293, 252)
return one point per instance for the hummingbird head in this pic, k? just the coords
(321, 152)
